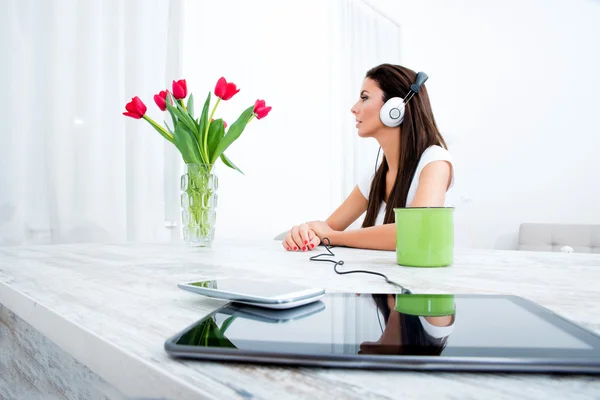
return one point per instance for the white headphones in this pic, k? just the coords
(392, 112)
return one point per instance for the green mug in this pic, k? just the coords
(424, 236)
(426, 305)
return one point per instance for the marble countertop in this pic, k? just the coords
(111, 306)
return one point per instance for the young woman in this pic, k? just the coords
(408, 334)
(416, 170)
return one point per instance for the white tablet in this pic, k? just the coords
(263, 294)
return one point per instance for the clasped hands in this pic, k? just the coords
(306, 236)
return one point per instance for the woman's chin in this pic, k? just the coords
(363, 133)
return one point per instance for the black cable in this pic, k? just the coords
(328, 247)
(379, 320)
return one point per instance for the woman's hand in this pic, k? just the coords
(321, 228)
(301, 238)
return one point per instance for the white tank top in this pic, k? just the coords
(432, 153)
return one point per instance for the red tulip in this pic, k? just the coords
(135, 108)
(179, 89)
(161, 100)
(260, 109)
(225, 90)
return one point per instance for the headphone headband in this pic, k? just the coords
(419, 81)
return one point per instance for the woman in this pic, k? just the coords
(408, 334)
(416, 170)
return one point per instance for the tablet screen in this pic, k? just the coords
(391, 324)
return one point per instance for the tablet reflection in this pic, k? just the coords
(414, 324)
(208, 333)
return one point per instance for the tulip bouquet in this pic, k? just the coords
(201, 140)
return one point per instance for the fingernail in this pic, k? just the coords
(303, 248)
(312, 246)
(289, 249)
(295, 248)
(306, 242)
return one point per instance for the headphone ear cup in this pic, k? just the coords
(392, 112)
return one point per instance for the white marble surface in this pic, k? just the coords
(111, 306)
(33, 367)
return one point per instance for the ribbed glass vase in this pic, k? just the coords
(199, 186)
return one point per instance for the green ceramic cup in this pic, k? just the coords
(424, 236)
(426, 305)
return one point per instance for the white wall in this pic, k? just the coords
(307, 59)
(514, 86)
(275, 51)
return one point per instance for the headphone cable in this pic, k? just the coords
(329, 253)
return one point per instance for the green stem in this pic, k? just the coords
(182, 104)
(159, 128)
(207, 126)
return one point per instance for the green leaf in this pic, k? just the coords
(223, 342)
(182, 121)
(226, 324)
(185, 117)
(234, 132)
(186, 143)
(195, 336)
(190, 106)
(162, 133)
(229, 163)
(219, 334)
(206, 333)
(203, 120)
(206, 284)
(168, 128)
(158, 128)
(170, 109)
(216, 131)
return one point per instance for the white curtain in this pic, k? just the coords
(362, 37)
(73, 168)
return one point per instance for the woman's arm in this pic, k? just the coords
(301, 237)
(352, 208)
(431, 192)
(380, 237)
(434, 181)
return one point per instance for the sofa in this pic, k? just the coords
(577, 238)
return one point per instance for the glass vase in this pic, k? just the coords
(199, 187)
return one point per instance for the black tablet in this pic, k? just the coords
(396, 331)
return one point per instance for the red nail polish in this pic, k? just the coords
(303, 248)
(295, 248)
(288, 249)
(306, 242)
(312, 246)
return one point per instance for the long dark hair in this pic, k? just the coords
(415, 341)
(419, 131)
